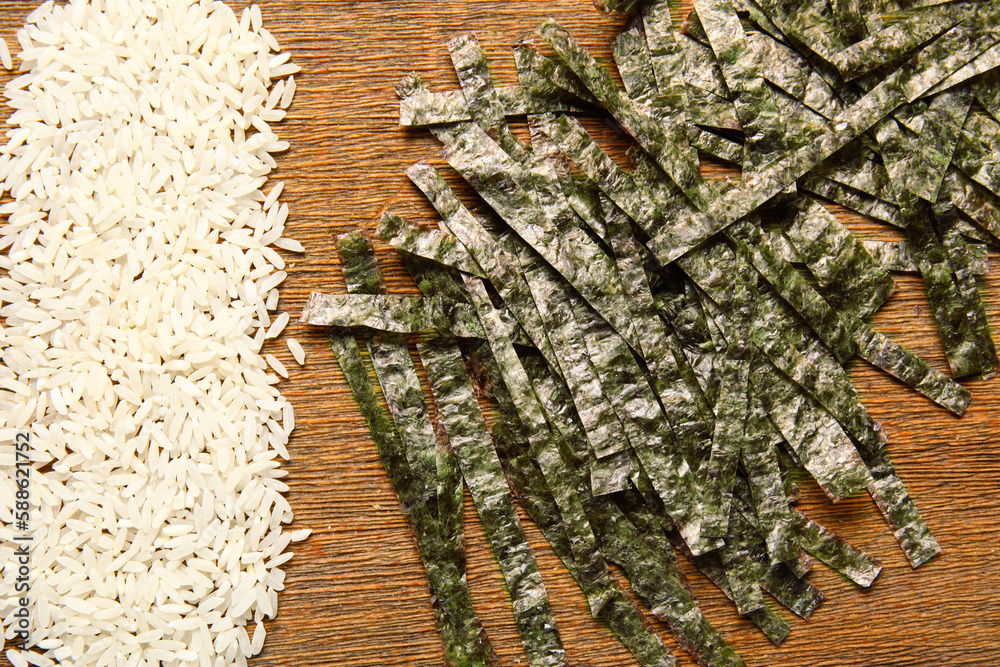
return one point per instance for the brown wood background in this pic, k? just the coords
(355, 592)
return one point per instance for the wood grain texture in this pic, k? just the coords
(355, 592)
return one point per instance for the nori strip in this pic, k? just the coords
(538, 432)
(853, 199)
(498, 265)
(600, 423)
(394, 313)
(424, 108)
(480, 95)
(896, 256)
(431, 244)
(502, 183)
(395, 371)
(846, 274)
(760, 461)
(883, 352)
(769, 621)
(974, 201)
(828, 324)
(465, 641)
(531, 488)
(890, 45)
(964, 332)
(818, 441)
(976, 154)
(834, 552)
(666, 145)
(459, 412)
(683, 401)
(648, 562)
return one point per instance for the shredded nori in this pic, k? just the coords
(667, 352)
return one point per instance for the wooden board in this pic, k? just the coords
(355, 592)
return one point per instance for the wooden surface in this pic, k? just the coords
(355, 592)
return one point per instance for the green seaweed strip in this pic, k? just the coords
(770, 503)
(547, 78)
(881, 351)
(739, 566)
(428, 243)
(545, 451)
(497, 264)
(936, 131)
(892, 44)
(600, 423)
(648, 564)
(855, 200)
(793, 287)
(635, 66)
(987, 61)
(801, 597)
(466, 428)
(835, 553)
(465, 641)
(537, 499)
(395, 371)
(480, 95)
(851, 280)
(502, 182)
(896, 256)
(856, 168)
(899, 510)
(767, 130)
(683, 402)
(794, 75)
(425, 108)
(731, 409)
(393, 313)
(973, 200)
(769, 621)
(976, 153)
(618, 612)
(669, 150)
(818, 441)
(646, 426)
(618, 6)
(965, 335)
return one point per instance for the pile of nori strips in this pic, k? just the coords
(664, 353)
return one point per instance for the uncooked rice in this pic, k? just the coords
(135, 304)
(297, 352)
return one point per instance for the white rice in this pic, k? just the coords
(5, 60)
(297, 352)
(136, 302)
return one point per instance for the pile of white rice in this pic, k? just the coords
(141, 286)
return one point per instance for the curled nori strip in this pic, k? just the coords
(459, 412)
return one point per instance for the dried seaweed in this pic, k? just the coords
(465, 641)
(459, 412)
(682, 342)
